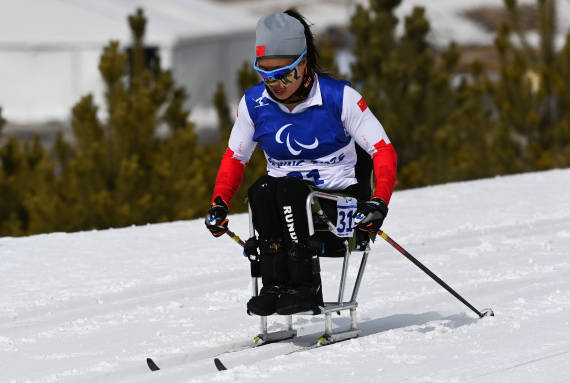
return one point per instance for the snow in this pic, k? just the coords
(91, 306)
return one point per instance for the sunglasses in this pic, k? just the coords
(270, 76)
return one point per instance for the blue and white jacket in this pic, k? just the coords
(315, 141)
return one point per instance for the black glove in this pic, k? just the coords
(370, 215)
(216, 220)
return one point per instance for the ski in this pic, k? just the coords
(219, 365)
(150, 363)
(236, 352)
(190, 358)
(321, 342)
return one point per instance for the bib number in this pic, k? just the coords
(346, 210)
(313, 175)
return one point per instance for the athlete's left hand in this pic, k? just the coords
(370, 215)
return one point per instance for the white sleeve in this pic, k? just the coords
(241, 138)
(360, 123)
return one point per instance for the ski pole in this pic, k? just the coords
(235, 237)
(485, 312)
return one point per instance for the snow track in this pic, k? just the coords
(91, 306)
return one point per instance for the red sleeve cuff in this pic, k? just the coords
(229, 177)
(385, 162)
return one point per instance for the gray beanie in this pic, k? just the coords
(279, 35)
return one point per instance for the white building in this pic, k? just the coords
(50, 49)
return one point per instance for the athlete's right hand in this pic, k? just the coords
(216, 219)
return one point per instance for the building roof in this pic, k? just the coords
(53, 24)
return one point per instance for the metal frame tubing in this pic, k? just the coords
(340, 305)
(328, 307)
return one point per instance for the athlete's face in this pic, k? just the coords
(283, 89)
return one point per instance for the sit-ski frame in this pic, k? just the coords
(328, 308)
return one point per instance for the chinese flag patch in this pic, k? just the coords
(362, 104)
(260, 50)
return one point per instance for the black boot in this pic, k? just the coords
(273, 264)
(264, 303)
(304, 291)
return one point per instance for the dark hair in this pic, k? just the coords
(312, 53)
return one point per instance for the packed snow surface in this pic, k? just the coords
(91, 306)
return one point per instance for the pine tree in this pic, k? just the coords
(141, 163)
(530, 95)
(25, 168)
(558, 138)
(11, 206)
(466, 134)
(443, 124)
(405, 85)
(25, 171)
(13, 215)
(246, 77)
(2, 122)
(225, 120)
(326, 58)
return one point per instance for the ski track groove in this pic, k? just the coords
(538, 359)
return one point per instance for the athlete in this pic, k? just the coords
(308, 124)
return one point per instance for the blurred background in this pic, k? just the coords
(117, 112)
(49, 50)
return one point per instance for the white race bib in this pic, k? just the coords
(346, 210)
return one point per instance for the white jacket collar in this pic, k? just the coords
(314, 98)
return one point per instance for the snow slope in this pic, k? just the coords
(91, 306)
